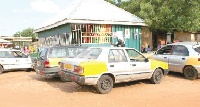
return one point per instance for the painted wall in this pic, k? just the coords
(55, 31)
(131, 35)
(60, 35)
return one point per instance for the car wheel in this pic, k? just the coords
(104, 84)
(157, 76)
(64, 79)
(1, 69)
(190, 73)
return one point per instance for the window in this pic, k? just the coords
(165, 50)
(180, 50)
(92, 53)
(135, 56)
(43, 53)
(2, 54)
(117, 55)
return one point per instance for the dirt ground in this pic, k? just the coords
(27, 89)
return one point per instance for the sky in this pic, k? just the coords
(17, 15)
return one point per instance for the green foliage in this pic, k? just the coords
(166, 15)
(17, 34)
(26, 33)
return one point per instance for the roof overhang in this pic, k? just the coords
(85, 21)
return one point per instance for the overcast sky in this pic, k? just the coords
(16, 15)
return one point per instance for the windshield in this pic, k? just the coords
(92, 53)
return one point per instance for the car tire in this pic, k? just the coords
(1, 69)
(64, 79)
(104, 84)
(157, 76)
(190, 73)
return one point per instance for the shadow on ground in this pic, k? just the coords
(71, 87)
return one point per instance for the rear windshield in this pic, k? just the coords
(90, 53)
(196, 48)
(63, 52)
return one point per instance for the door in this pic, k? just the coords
(139, 66)
(118, 65)
(7, 59)
(163, 53)
(178, 58)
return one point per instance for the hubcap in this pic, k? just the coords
(105, 84)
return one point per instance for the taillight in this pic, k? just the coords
(198, 59)
(46, 64)
(61, 65)
(78, 69)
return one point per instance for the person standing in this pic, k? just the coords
(27, 51)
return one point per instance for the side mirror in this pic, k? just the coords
(146, 60)
(155, 52)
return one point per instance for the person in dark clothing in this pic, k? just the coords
(120, 43)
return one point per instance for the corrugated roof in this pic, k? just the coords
(91, 11)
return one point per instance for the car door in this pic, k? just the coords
(139, 66)
(178, 58)
(163, 53)
(118, 65)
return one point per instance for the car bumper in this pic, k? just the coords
(80, 79)
(48, 72)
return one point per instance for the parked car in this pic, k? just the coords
(12, 59)
(47, 63)
(182, 57)
(102, 67)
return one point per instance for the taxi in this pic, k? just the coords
(103, 67)
(12, 59)
(182, 57)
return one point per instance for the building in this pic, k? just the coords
(91, 23)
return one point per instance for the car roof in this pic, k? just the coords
(185, 43)
(8, 49)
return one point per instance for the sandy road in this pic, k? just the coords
(27, 89)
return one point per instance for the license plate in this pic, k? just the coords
(68, 66)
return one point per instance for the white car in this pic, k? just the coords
(11, 59)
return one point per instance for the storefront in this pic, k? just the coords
(90, 31)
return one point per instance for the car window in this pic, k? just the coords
(135, 56)
(117, 55)
(19, 54)
(10, 54)
(63, 52)
(2, 54)
(58, 52)
(180, 50)
(92, 53)
(165, 50)
(42, 53)
(196, 48)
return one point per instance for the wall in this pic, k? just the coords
(146, 37)
(182, 36)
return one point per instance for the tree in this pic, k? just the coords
(17, 34)
(166, 15)
(26, 33)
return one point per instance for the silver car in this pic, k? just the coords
(181, 57)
